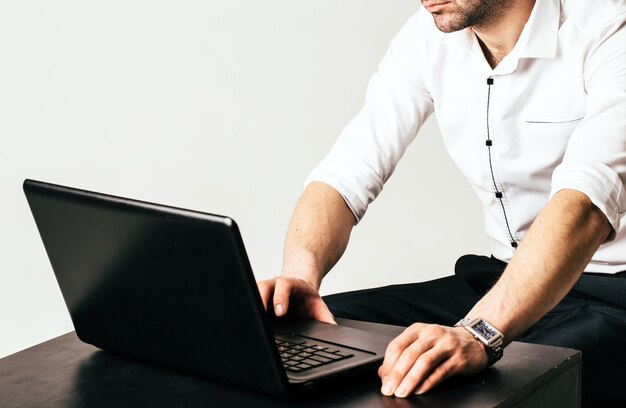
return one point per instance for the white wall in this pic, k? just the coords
(216, 106)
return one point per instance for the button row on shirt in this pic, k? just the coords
(498, 194)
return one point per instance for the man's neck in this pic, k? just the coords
(497, 38)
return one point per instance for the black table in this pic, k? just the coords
(64, 372)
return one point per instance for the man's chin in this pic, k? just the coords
(445, 24)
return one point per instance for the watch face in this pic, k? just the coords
(484, 329)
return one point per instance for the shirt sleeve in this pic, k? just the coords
(595, 159)
(369, 147)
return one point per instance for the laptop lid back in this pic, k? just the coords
(161, 284)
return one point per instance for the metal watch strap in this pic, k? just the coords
(494, 348)
(494, 353)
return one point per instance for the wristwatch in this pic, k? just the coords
(482, 331)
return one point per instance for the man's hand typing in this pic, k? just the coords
(294, 296)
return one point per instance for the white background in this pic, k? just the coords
(218, 106)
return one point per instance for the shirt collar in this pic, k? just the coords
(539, 36)
(537, 40)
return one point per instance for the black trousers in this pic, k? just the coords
(591, 318)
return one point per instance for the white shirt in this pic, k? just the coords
(556, 119)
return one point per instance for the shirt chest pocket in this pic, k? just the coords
(554, 121)
(542, 125)
(548, 137)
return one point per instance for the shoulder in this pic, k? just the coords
(594, 18)
(419, 30)
(418, 38)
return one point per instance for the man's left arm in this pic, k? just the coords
(587, 204)
(548, 262)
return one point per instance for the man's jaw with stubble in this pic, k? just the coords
(450, 16)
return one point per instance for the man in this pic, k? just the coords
(531, 101)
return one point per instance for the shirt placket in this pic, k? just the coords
(491, 143)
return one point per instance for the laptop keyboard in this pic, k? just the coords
(301, 356)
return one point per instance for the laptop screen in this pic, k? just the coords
(162, 284)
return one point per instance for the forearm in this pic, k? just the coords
(548, 262)
(318, 233)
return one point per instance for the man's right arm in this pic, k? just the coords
(317, 237)
(396, 105)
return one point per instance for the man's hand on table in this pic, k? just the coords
(426, 354)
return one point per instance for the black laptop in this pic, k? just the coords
(174, 287)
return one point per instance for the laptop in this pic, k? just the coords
(174, 287)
